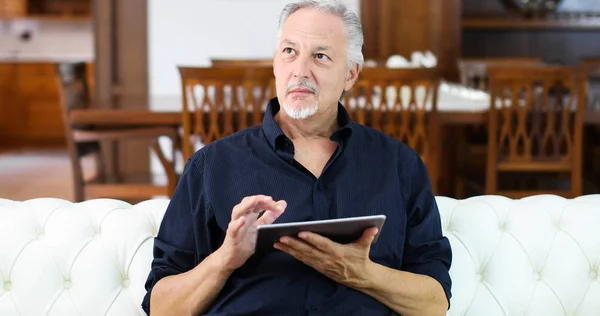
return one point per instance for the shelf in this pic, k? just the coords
(584, 23)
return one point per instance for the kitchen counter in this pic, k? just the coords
(45, 58)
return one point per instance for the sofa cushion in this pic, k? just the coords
(535, 256)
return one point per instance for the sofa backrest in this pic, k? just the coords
(61, 258)
(535, 256)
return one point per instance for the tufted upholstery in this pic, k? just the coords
(535, 256)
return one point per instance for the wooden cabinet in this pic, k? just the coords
(404, 26)
(13, 8)
(30, 112)
(7, 78)
(60, 7)
(45, 8)
(565, 37)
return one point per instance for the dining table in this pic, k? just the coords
(455, 107)
(457, 111)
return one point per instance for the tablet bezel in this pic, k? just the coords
(339, 229)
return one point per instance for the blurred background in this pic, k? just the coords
(92, 95)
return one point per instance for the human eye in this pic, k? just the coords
(321, 57)
(288, 51)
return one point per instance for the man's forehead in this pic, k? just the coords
(320, 45)
(312, 24)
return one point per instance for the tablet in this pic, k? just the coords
(341, 230)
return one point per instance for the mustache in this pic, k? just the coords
(302, 83)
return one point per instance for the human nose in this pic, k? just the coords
(301, 69)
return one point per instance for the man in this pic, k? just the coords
(306, 161)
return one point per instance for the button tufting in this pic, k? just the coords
(502, 226)
(537, 276)
(67, 284)
(125, 282)
(7, 286)
(593, 274)
(41, 235)
(479, 277)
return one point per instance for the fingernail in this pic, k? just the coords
(281, 205)
(277, 246)
(303, 235)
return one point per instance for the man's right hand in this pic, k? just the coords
(240, 239)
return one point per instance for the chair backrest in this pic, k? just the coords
(73, 93)
(222, 101)
(73, 85)
(536, 113)
(403, 104)
(592, 66)
(225, 63)
(473, 71)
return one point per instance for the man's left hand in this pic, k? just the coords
(346, 264)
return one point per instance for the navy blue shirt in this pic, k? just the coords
(369, 173)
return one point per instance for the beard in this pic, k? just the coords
(305, 111)
(301, 113)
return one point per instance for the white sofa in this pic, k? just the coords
(535, 256)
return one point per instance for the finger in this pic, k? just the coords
(300, 246)
(322, 243)
(248, 220)
(235, 227)
(367, 237)
(271, 215)
(291, 251)
(248, 203)
(269, 205)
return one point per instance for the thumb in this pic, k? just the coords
(368, 236)
(270, 216)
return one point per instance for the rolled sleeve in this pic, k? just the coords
(175, 246)
(426, 250)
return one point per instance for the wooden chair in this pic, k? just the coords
(473, 71)
(221, 101)
(403, 104)
(84, 141)
(535, 125)
(471, 141)
(226, 63)
(592, 67)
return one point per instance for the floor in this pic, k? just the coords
(27, 174)
(31, 174)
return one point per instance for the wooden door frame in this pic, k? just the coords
(121, 67)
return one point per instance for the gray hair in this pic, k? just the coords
(354, 29)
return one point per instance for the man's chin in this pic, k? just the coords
(300, 111)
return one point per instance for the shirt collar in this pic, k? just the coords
(273, 132)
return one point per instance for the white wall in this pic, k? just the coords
(191, 32)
